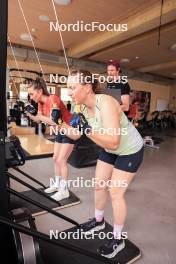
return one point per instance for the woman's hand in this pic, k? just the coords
(69, 131)
(36, 118)
(80, 122)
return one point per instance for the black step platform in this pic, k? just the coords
(53, 254)
(16, 202)
(84, 154)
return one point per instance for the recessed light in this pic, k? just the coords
(173, 47)
(136, 57)
(33, 29)
(125, 60)
(62, 2)
(26, 37)
(44, 18)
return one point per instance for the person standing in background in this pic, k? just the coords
(69, 106)
(116, 82)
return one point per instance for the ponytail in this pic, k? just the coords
(38, 84)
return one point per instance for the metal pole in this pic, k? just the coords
(42, 206)
(5, 233)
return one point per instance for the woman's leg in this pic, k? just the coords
(120, 182)
(54, 186)
(102, 174)
(62, 157)
(123, 173)
(62, 166)
(57, 149)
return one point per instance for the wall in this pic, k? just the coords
(172, 103)
(158, 91)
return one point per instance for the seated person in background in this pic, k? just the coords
(63, 145)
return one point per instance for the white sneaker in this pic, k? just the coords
(60, 195)
(51, 189)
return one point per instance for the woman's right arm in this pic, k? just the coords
(70, 131)
(34, 118)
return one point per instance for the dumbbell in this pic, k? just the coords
(30, 109)
(56, 115)
(79, 121)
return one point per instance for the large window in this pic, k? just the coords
(23, 96)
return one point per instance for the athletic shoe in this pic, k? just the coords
(92, 225)
(51, 189)
(111, 247)
(60, 195)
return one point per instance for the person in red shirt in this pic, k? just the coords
(133, 111)
(63, 145)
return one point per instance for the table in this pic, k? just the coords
(36, 145)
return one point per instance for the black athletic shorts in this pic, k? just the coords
(64, 139)
(129, 163)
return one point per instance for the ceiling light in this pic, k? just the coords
(26, 37)
(125, 60)
(44, 18)
(62, 2)
(173, 47)
(136, 57)
(33, 29)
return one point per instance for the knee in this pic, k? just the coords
(116, 193)
(61, 161)
(100, 185)
(54, 158)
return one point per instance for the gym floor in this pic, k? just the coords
(151, 200)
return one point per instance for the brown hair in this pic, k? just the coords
(38, 84)
(87, 78)
(116, 64)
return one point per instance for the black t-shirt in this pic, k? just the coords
(69, 106)
(124, 87)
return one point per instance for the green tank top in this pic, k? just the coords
(130, 139)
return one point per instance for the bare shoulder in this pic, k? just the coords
(108, 102)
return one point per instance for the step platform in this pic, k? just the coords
(54, 254)
(16, 202)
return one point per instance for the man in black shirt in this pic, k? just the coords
(115, 81)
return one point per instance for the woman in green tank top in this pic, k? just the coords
(103, 121)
